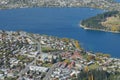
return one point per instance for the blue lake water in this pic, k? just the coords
(117, 0)
(61, 22)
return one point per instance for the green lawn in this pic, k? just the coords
(47, 64)
(93, 66)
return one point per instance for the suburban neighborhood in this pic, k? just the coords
(27, 56)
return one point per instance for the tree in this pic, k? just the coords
(106, 55)
(86, 69)
(67, 61)
(90, 57)
(59, 58)
(77, 45)
(52, 60)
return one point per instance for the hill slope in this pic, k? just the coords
(108, 21)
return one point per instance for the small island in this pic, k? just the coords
(108, 21)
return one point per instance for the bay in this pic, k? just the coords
(61, 22)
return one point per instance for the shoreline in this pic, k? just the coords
(65, 6)
(86, 28)
(88, 51)
(54, 7)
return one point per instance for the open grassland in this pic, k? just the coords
(113, 23)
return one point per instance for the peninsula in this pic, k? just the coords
(108, 21)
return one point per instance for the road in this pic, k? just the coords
(48, 75)
(34, 61)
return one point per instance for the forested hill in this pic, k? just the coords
(108, 21)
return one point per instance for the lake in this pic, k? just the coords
(117, 0)
(61, 22)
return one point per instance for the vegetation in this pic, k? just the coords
(77, 45)
(113, 23)
(98, 75)
(48, 49)
(67, 61)
(10, 78)
(93, 66)
(103, 55)
(47, 65)
(59, 58)
(108, 21)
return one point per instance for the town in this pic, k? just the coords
(27, 56)
(101, 4)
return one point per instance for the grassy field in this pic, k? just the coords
(47, 65)
(93, 66)
(113, 23)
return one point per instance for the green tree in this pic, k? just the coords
(59, 58)
(52, 60)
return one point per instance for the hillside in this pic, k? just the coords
(108, 21)
(112, 22)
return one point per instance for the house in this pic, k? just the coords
(89, 63)
(74, 73)
(76, 55)
(10, 74)
(34, 54)
(64, 65)
(71, 65)
(47, 57)
(14, 61)
(37, 68)
(29, 41)
(1, 77)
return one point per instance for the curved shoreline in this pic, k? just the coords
(86, 28)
